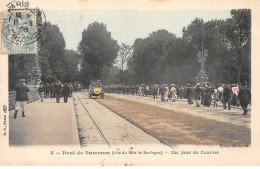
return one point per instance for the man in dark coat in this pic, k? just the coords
(203, 94)
(244, 96)
(52, 90)
(209, 91)
(41, 91)
(162, 92)
(189, 94)
(21, 97)
(57, 88)
(47, 90)
(70, 89)
(197, 92)
(66, 92)
(227, 93)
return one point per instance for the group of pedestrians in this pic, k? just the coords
(204, 94)
(226, 93)
(56, 90)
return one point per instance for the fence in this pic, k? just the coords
(33, 96)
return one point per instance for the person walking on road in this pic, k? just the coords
(155, 91)
(166, 93)
(189, 94)
(215, 97)
(173, 93)
(41, 91)
(70, 89)
(66, 92)
(197, 92)
(203, 94)
(162, 91)
(21, 97)
(209, 92)
(52, 90)
(58, 91)
(244, 96)
(227, 93)
(47, 90)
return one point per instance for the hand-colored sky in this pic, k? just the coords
(127, 25)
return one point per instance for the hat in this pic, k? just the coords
(188, 84)
(244, 83)
(58, 80)
(198, 84)
(22, 80)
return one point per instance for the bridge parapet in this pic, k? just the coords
(33, 96)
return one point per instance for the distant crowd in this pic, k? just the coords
(202, 93)
(58, 90)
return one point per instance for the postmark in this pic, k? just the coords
(20, 30)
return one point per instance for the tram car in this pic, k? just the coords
(96, 90)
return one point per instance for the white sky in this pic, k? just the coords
(127, 25)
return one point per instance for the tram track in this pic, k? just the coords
(130, 121)
(97, 127)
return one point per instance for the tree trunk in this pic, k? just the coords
(238, 74)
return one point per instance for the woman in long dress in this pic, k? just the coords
(166, 94)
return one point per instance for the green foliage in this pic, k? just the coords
(98, 51)
(54, 60)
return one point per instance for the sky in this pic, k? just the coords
(127, 25)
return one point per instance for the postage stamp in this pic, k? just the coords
(19, 33)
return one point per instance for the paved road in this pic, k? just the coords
(46, 123)
(116, 130)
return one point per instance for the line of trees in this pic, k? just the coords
(159, 58)
(55, 62)
(164, 58)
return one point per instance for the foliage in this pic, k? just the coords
(98, 51)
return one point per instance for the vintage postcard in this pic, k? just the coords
(129, 83)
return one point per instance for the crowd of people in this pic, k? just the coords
(204, 94)
(54, 90)
(58, 90)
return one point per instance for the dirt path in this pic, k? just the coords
(176, 127)
(233, 116)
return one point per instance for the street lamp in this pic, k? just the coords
(202, 76)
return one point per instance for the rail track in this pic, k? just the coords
(98, 129)
(130, 121)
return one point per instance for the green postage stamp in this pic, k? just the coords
(19, 32)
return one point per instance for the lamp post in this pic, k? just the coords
(202, 76)
(202, 56)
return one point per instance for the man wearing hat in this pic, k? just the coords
(58, 91)
(244, 96)
(21, 97)
(155, 91)
(227, 92)
(162, 92)
(41, 91)
(66, 92)
(197, 92)
(189, 94)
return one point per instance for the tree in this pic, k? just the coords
(236, 34)
(72, 61)
(98, 50)
(123, 56)
(149, 55)
(52, 46)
